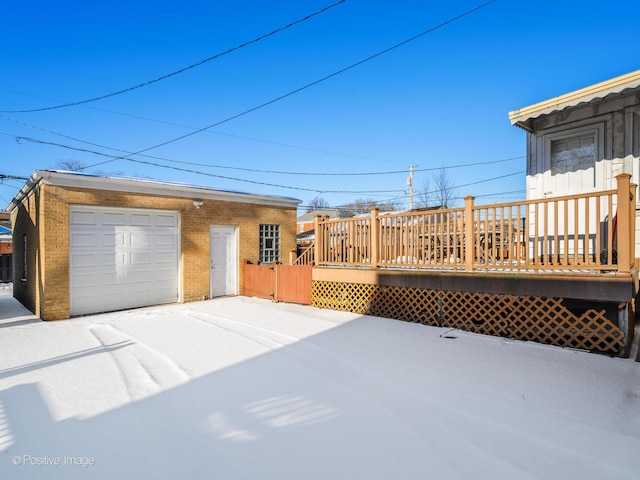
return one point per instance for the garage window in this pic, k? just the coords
(269, 243)
(24, 258)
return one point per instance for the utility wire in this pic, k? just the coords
(277, 172)
(344, 206)
(464, 184)
(196, 131)
(265, 183)
(11, 177)
(497, 195)
(482, 181)
(182, 70)
(309, 85)
(190, 127)
(319, 191)
(32, 140)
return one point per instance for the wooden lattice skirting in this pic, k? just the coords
(541, 319)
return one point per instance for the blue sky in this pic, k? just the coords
(439, 101)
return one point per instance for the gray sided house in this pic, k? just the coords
(579, 142)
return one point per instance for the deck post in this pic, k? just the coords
(375, 237)
(625, 226)
(632, 222)
(318, 245)
(469, 243)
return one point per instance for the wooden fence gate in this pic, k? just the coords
(280, 283)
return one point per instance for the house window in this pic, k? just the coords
(269, 243)
(571, 154)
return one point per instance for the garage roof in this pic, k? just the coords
(141, 185)
(600, 90)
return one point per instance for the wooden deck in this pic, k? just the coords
(582, 233)
(560, 270)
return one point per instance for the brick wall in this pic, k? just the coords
(52, 302)
(26, 290)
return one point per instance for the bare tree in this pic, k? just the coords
(424, 196)
(71, 165)
(439, 190)
(364, 205)
(318, 203)
(79, 166)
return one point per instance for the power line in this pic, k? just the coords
(489, 195)
(32, 140)
(11, 177)
(265, 183)
(467, 184)
(253, 170)
(182, 70)
(190, 127)
(318, 191)
(196, 131)
(488, 179)
(497, 195)
(309, 85)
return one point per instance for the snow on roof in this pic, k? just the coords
(143, 185)
(308, 235)
(522, 116)
(310, 216)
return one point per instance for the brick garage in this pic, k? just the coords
(44, 212)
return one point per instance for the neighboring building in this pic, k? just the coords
(6, 241)
(6, 249)
(305, 228)
(5, 219)
(306, 221)
(579, 142)
(86, 243)
(6, 245)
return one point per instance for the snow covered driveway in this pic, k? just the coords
(243, 388)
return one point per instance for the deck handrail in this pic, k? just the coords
(306, 257)
(570, 233)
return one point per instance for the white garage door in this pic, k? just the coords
(122, 258)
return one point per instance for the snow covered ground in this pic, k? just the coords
(243, 388)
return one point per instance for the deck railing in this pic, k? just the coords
(305, 257)
(587, 232)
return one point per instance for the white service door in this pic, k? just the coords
(223, 260)
(122, 258)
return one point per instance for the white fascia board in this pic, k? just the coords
(149, 187)
(600, 90)
(29, 185)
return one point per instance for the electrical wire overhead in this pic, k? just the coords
(190, 127)
(318, 191)
(254, 170)
(308, 85)
(187, 170)
(182, 70)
